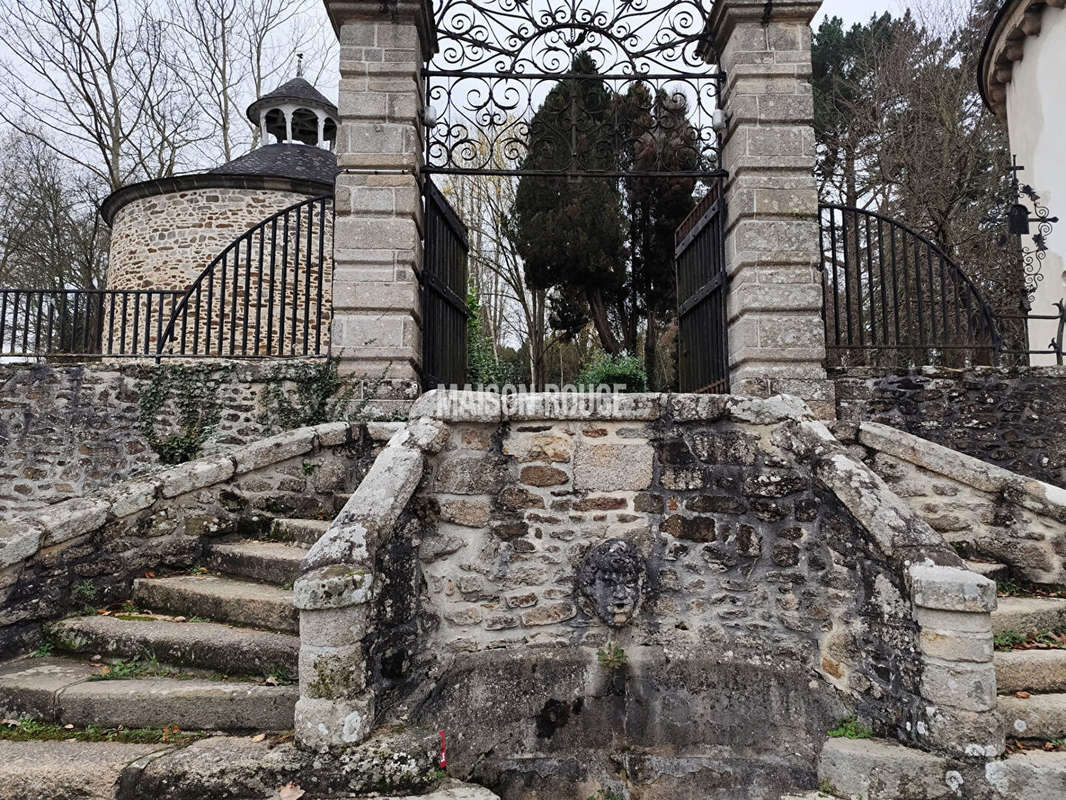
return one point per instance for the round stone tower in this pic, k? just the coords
(165, 232)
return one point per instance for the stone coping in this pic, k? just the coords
(955, 373)
(449, 405)
(22, 536)
(1015, 22)
(1035, 495)
(125, 195)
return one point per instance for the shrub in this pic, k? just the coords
(610, 370)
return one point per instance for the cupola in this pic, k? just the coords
(295, 113)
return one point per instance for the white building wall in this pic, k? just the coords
(1036, 113)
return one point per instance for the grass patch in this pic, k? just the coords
(142, 667)
(851, 728)
(31, 730)
(1036, 640)
(606, 794)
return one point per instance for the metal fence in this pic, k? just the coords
(42, 322)
(703, 342)
(893, 298)
(263, 295)
(444, 311)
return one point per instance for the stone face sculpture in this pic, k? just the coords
(611, 580)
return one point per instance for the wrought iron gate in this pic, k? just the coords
(444, 311)
(703, 343)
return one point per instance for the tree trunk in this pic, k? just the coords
(598, 312)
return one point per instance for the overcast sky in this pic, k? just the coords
(856, 10)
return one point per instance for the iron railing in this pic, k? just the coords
(443, 278)
(123, 323)
(263, 295)
(702, 285)
(893, 298)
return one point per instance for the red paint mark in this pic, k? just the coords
(443, 752)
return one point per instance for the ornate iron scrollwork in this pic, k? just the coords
(606, 76)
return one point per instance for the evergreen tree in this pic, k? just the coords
(569, 230)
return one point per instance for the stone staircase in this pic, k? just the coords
(1032, 703)
(1031, 683)
(212, 650)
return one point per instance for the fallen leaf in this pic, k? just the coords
(68, 727)
(290, 791)
(104, 671)
(103, 612)
(1022, 695)
(149, 574)
(271, 681)
(259, 738)
(179, 619)
(11, 723)
(70, 740)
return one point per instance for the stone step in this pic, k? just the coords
(40, 770)
(1041, 716)
(877, 769)
(205, 645)
(989, 569)
(1028, 614)
(1030, 671)
(276, 563)
(300, 531)
(59, 690)
(255, 605)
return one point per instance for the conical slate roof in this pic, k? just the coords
(297, 90)
(297, 161)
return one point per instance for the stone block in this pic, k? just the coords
(1032, 775)
(467, 511)
(335, 673)
(133, 496)
(613, 467)
(335, 586)
(428, 435)
(875, 769)
(955, 646)
(71, 518)
(323, 725)
(273, 450)
(385, 490)
(966, 686)
(19, 539)
(952, 589)
(334, 627)
(964, 734)
(457, 406)
(199, 474)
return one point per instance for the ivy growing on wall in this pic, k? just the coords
(302, 394)
(192, 392)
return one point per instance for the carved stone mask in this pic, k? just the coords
(611, 581)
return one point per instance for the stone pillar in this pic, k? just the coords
(953, 608)
(776, 332)
(377, 237)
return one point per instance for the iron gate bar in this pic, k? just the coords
(927, 316)
(703, 347)
(443, 282)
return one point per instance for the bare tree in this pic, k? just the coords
(50, 234)
(236, 50)
(89, 80)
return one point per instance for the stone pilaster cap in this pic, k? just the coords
(418, 11)
(726, 14)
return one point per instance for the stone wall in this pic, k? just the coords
(987, 513)
(675, 596)
(68, 430)
(1013, 418)
(164, 242)
(87, 551)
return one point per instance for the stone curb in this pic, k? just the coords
(1037, 496)
(454, 406)
(22, 536)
